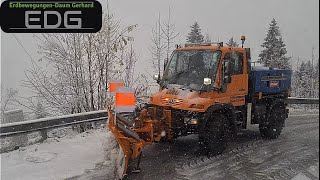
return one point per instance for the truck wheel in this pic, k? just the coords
(213, 137)
(274, 123)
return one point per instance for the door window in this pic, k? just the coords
(234, 63)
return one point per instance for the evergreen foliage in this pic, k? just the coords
(274, 50)
(232, 43)
(195, 35)
(305, 80)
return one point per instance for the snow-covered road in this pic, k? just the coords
(294, 155)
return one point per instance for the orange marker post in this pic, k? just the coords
(113, 86)
(125, 100)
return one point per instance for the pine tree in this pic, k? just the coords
(304, 79)
(195, 35)
(316, 79)
(316, 74)
(232, 43)
(274, 50)
(207, 38)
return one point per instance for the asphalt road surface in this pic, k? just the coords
(294, 155)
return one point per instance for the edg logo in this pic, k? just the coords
(30, 17)
(51, 16)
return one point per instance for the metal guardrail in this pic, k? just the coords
(10, 129)
(295, 100)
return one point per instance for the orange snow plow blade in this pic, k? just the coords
(129, 142)
(132, 135)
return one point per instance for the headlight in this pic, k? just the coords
(190, 121)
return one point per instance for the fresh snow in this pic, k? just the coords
(303, 112)
(61, 158)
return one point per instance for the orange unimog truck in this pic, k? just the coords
(210, 90)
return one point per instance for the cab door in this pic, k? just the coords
(234, 77)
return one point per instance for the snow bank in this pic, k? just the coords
(61, 158)
(114, 158)
(300, 111)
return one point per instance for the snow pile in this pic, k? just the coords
(114, 158)
(61, 158)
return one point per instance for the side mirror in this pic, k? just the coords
(227, 79)
(207, 81)
(156, 77)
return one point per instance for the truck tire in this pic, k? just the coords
(274, 123)
(213, 136)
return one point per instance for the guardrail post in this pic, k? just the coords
(44, 135)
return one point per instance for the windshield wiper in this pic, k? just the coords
(177, 75)
(167, 81)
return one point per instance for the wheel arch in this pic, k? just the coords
(277, 102)
(227, 109)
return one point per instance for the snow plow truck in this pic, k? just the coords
(207, 89)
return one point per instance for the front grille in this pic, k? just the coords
(171, 101)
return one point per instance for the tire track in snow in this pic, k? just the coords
(264, 159)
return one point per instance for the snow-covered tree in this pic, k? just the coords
(8, 98)
(232, 43)
(305, 80)
(317, 70)
(305, 77)
(316, 80)
(162, 40)
(157, 47)
(80, 67)
(207, 38)
(316, 74)
(169, 35)
(195, 35)
(274, 50)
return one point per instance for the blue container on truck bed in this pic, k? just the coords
(268, 80)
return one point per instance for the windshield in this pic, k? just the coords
(188, 68)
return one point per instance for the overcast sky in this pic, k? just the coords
(298, 21)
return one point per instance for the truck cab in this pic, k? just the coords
(218, 75)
